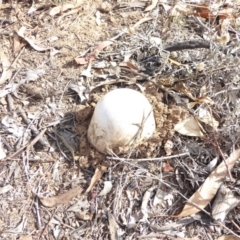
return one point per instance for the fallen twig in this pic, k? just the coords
(192, 44)
(150, 159)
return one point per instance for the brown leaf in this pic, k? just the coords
(92, 55)
(64, 7)
(151, 6)
(17, 44)
(99, 171)
(189, 127)
(205, 99)
(209, 188)
(21, 33)
(143, 20)
(62, 198)
(73, 11)
(202, 11)
(181, 87)
(167, 167)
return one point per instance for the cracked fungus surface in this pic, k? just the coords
(166, 118)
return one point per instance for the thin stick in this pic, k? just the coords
(150, 159)
(45, 228)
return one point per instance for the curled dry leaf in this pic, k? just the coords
(189, 127)
(92, 55)
(224, 202)
(206, 117)
(209, 188)
(62, 198)
(62, 7)
(107, 188)
(100, 170)
(21, 33)
(167, 167)
(151, 6)
(146, 198)
(17, 44)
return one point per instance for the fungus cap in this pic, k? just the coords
(122, 119)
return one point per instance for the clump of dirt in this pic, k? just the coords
(165, 116)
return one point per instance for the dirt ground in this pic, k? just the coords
(58, 58)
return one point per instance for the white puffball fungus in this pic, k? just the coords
(122, 119)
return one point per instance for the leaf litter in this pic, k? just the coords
(184, 74)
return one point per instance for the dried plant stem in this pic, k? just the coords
(224, 159)
(45, 228)
(150, 159)
(166, 184)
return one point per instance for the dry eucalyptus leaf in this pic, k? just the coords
(87, 72)
(206, 117)
(205, 99)
(99, 171)
(81, 90)
(21, 33)
(17, 44)
(62, 7)
(209, 188)
(62, 198)
(224, 202)
(25, 238)
(151, 6)
(107, 188)
(189, 127)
